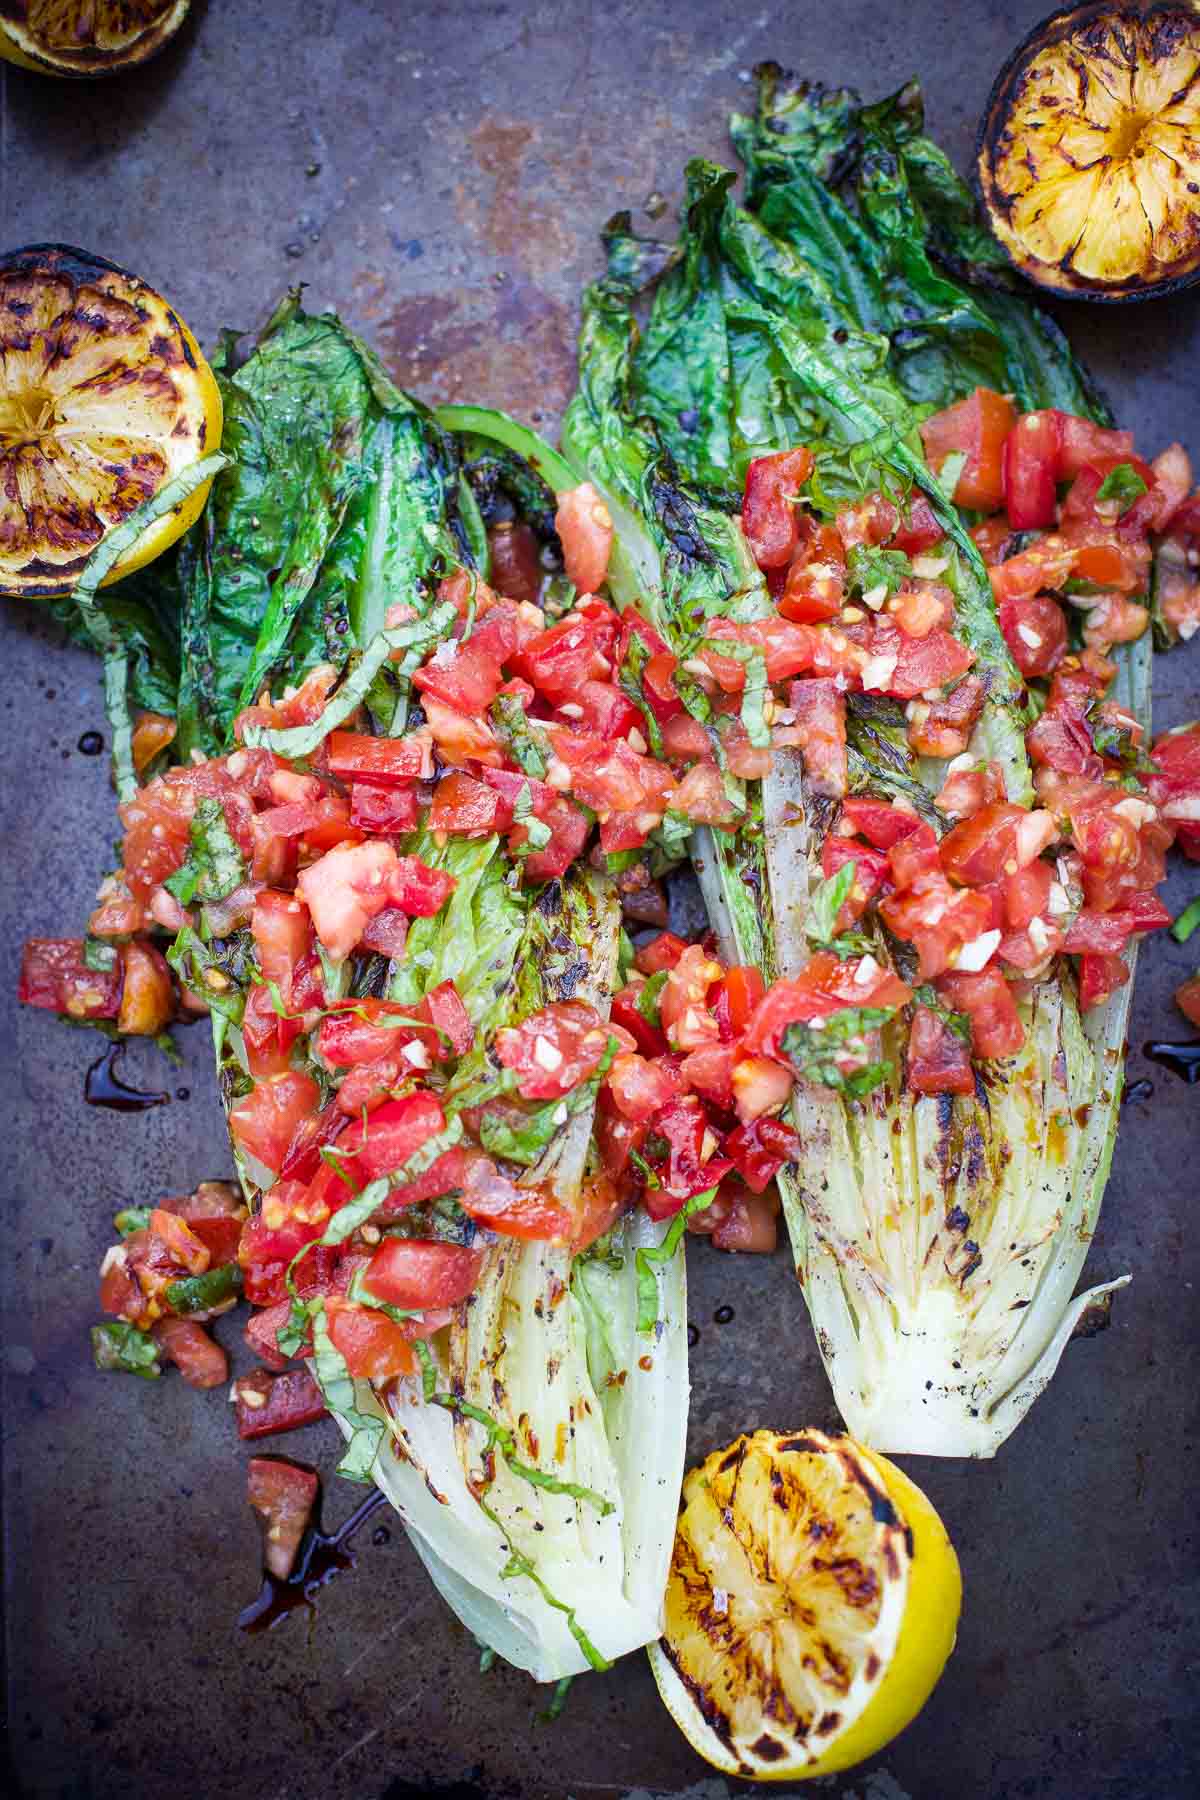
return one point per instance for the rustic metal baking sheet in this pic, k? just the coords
(438, 173)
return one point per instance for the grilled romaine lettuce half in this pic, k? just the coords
(548, 1525)
(938, 1241)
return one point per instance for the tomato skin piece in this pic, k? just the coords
(769, 513)
(195, 1353)
(409, 1272)
(1029, 468)
(759, 1149)
(265, 1121)
(1035, 630)
(820, 709)
(1099, 978)
(987, 999)
(55, 976)
(978, 426)
(266, 1403)
(283, 1496)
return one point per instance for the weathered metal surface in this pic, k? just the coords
(438, 173)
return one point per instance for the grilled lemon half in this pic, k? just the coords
(812, 1603)
(104, 397)
(86, 37)
(1089, 152)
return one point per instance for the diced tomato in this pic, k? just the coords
(919, 527)
(585, 528)
(683, 1003)
(977, 427)
(373, 1347)
(824, 986)
(920, 607)
(601, 1202)
(1035, 630)
(379, 761)
(555, 1049)
(358, 1032)
(560, 660)
(744, 988)
(443, 1008)
(1156, 510)
(303, 1158)
(384, 811)
(881, 823)
(938, 1061)
(409, 1272)
(770, 517)
(820, 709)
(264, 1122)
(687, 1169)
(914, 855)
(281, 929)
(55, 976)
(344, 888)
(465, 807)
(1027, 894)
(1060, 740)
(987, 1000)
(662, 952)
(528, 1213)
(604, 709)
(1099, 978)
(708, 1072)
(942, 728)
(1030, 465)
(872, 521)
(328, 824)
(815, 586)
(749, 1221)
(467, 677)
(760, 1085)
(759, 1149)
(283, 1496)
(1187, 999)
(394, 1133)
(516, 569)
(928, 662)
(937, 920)
(1083, 444)
(979, 849)
(640, 1088)
(194, 1351)
(1175, 786)
(1045, 564)
(266, 1403)
(262, 1334)
(701, 796)
(417, 889)
(300, 708)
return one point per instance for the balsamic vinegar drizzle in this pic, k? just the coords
(1182, 1059)
(322, 1556)
(102, 1086)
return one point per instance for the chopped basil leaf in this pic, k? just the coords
(99, 956)
(290, 1336)
(528, 746)
(537, 832)
(629, 680)
(826, 901)
(647, 1000)
(119, 1346)
(812, 1049)
(869, 567)
(625, 956)
(646, 1260)
(215, 866)
(1187, 922)
(200, 1293)
(131, 1219)
(1122, 484)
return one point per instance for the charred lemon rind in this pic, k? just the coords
(104, 398)
(44, 35)
(1088, 155)
(812, 1602)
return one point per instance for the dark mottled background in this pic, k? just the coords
(438, 173)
